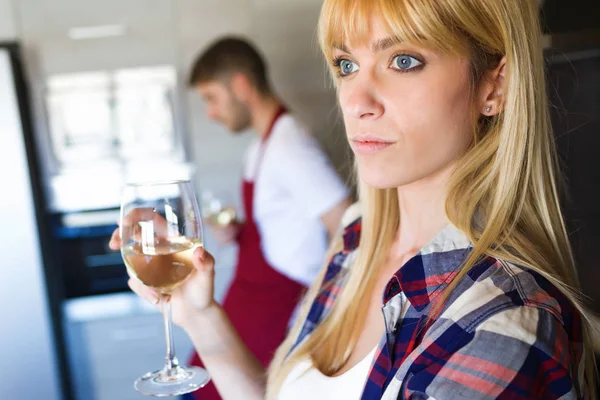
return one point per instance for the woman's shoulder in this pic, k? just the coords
(512, 322)
(496, 288)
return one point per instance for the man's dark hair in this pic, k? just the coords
(227, 56)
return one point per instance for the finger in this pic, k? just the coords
(143, 291)
(138, 214)
(115, 240)
(203, 260)
(160, 226)
(131, 275)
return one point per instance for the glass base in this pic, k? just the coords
(179, 380)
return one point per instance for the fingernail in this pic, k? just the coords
(200, 253)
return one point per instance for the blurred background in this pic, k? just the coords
(93, 93)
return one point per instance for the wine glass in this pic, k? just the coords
(160, 229)
(216, 210)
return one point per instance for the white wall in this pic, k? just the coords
(25, 337)
(8, 23)
(27, 359)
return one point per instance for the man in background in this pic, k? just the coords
(293, 199)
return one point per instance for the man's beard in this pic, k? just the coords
(241, 118)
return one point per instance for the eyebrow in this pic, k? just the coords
(384, 44)
(341, 47)
(376, 47)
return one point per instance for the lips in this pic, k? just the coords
(368, 143)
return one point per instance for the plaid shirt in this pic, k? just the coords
(504, 333)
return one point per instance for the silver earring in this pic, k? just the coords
(488, 109)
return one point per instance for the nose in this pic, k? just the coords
(359, 99)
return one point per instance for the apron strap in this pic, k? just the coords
(280, 111)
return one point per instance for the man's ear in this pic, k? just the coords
(240, 86)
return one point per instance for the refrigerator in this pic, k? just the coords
(28, 363)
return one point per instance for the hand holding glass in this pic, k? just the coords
(159, 230)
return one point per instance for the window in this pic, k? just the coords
(118, 116)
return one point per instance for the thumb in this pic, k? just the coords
(203, 260)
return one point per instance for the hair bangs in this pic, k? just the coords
(423, 23)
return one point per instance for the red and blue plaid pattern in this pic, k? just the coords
(504, 333)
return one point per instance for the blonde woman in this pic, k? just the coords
(457, 282)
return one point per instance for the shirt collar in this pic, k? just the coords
(352, 236)
(423, 276)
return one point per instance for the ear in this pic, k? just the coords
(491, 93)
(241, 86)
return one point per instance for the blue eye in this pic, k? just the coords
(347, 67)
(404, 62)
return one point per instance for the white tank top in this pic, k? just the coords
(306, 382)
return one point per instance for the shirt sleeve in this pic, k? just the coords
(307, 175)
(521, 353)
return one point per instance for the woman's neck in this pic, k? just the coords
(422, 212)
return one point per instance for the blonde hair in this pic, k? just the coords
(503, 193)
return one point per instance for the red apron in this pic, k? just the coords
(260, 300)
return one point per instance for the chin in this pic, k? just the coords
(381, 176)
(237, 129)
(375, 173)
(379, 179)
(387, 174)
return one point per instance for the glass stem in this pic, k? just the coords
(171, 362)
